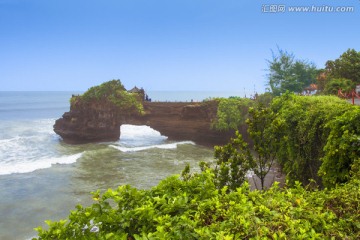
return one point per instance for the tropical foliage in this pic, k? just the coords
(234, 161)
(333, 85)
(312, 131)
(342, 149)
(342, 73)
(289, 74)
(114, 92)
(231, 113)
(196, 209)
(346, 66)
(264, 132)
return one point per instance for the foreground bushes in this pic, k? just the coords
(316, 133)
(195, 209)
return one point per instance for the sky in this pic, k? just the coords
(164, 45)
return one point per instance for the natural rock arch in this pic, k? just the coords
(96, 122)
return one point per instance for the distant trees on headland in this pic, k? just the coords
(285, 73)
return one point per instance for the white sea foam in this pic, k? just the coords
(159, 146)
(28, 145)
(30, 166)
(132, 135)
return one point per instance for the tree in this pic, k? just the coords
(266, 137)
(334, 84)
(234, 160)
(289, 74)
(346, 66)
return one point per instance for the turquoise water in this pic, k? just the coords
(43, 178)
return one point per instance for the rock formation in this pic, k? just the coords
(96, 116)
(89, 122)
(100, 121)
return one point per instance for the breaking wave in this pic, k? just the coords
(159, 146)
(30, 166)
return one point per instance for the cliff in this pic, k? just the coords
(97, 121)
(89, 122)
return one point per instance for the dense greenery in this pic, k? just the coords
(114, 92)
(334, 84)
(237, 158)
(289, 74)
(312, 130)
(346, 66)
(312, 138)
(342, 149)
(285, 73)
(195, 209)
(231, 113)
(342, 73)
(234, 160)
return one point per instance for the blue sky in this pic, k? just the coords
(210, 45)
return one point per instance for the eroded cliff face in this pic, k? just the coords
(183, 121)
(101, 121)
(92, 121)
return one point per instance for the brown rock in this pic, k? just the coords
(101, 121)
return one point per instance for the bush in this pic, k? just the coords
(231, 113)
(308, 123)
(195, 209)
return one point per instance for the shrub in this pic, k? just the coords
(195, 209)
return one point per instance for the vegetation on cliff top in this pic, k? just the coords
(232, 112)
(114, 92)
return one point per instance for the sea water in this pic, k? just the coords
(41, 177)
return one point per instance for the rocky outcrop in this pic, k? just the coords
(89, 122)
(95, 122)
(183, 121)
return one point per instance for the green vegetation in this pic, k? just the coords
(346, 66)
(334, 84)
(307, 128)
(234, 160)
(342, 149)
(342, 73)
(289, 74)
(308, 136)
(194, 208)
(114, 92)
(312, 138)
(263, 129)
(231, 113)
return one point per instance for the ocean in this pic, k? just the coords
(43, 178)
